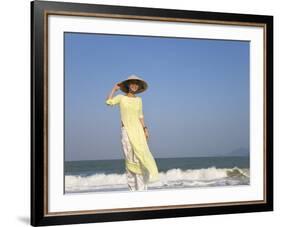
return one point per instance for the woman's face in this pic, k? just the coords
(134, 86)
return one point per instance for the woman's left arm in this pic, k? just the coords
(141, 117)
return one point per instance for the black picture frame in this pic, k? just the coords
(39, 110)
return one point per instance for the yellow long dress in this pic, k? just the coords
(131, 111)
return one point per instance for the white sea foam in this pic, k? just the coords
(173, 178)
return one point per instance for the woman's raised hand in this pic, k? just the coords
(116, 87)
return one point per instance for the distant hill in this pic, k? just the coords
(241, 151)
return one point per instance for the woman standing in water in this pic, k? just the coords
(141, 167)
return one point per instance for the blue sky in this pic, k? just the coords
(197, 102)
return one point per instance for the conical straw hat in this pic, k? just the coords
(124, 84)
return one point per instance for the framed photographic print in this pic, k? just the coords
(141, 113)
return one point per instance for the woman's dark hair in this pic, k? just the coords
(132, 81)
(127, 86)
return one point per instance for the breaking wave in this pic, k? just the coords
(173, 178)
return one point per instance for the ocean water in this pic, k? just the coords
(109, 175)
